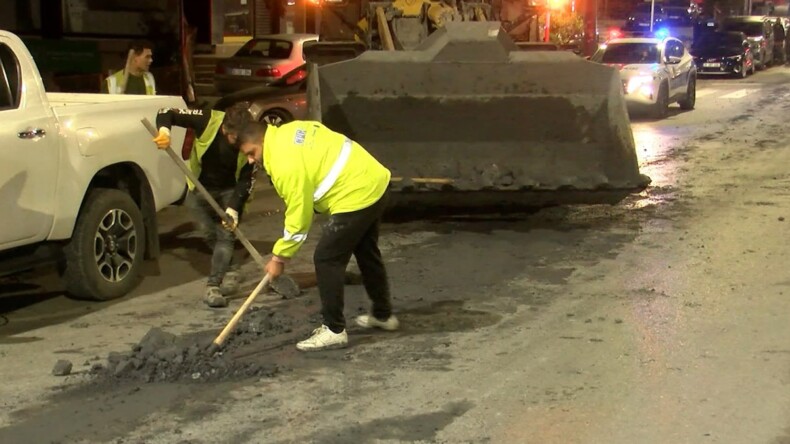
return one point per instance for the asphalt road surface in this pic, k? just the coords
(662, 319)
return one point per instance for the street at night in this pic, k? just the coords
(660, 319)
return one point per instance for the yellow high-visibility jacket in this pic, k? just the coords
(115, 82)
(315, 168)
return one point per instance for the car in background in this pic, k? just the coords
(655, 72)
(260, 61)
(680, 13)
(720, 52)
(759, 31)
(639, 19)
(279, 102)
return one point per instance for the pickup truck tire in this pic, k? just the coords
(105, 253)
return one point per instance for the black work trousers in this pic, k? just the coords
(345, 234)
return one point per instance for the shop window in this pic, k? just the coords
(238, 18)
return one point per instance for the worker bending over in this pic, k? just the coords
(224, 171)
(315, 169)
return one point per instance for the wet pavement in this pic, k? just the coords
(660, 319)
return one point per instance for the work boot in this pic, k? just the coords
(324, 339)
(230, 283)
(370, 321)
(214, 298)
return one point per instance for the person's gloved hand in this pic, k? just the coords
(162, 140)
(234, 216)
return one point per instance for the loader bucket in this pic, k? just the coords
(468, 113)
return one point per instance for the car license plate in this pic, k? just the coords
(644, 24)
(710, 65)
(240, 72)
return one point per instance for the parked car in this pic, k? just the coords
(639, 19)
(759, 32)
(260, 61)
(680, 13)
(80, 180)
(723, 53)
(277, 103)
(655, 72)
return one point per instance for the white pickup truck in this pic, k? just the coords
(80, 180)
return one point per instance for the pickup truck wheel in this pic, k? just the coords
(105, 253)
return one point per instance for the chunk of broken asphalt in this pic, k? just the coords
(157, 338)
(168, 353)
(62, 368)
(124, 367)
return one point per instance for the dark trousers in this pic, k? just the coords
(219, 240)
(345, 234)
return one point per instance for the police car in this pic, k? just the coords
(656, 71)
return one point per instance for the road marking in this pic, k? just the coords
(706, 92)
(739, 94)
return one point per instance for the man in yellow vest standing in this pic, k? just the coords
(315, 169)
(136, 77)
(225, 173)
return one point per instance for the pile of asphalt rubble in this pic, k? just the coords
(161, 356)
(164, 357)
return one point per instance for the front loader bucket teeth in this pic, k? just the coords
(468, 112)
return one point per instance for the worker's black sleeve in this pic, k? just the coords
(244, 186)
(196, 119)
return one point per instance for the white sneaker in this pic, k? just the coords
(370, 321)
(324, 339)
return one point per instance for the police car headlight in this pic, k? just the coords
(640, 83)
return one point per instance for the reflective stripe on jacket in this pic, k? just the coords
(115, 81)
(204, 141)
(314, 168)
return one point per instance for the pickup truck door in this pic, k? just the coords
(29, 154)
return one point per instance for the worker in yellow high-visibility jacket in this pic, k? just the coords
(315, 169)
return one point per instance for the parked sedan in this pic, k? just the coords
(723, 53)
(277, 103)
(760, 34)
(639, 19)
(261, 61)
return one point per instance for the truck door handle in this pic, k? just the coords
(32, 134)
